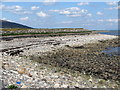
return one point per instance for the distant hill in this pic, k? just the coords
(7, 24)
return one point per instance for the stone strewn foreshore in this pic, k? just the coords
(87, 58)
(55, 62)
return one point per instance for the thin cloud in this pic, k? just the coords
(9, 0)
(83, 3)
(112, 20)
(54, 10)
(11, 8)
(65, 12)
(73, 8)
(113, 8)
(101, 20)
(99, 13)
(109, 20)
(89, 14)
(24, 18)
(2, 6)
(41, 14)
(7, 19)
(111, 3)
(49, 2)
(17, 9)
(66, 22)
(34, 7)
(73, 12)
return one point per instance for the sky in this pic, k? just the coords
(88, 15)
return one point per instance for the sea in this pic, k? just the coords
(112, 50)
(111, 32)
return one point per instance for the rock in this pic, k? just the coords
(79, 47)
(24, 86)
(102, 41)
(101, 81)
(64, 86)
(67, 46)
(90, 80)
(15, 52)
(56, 43)
(56, 85)
(6, 66)
(77, 87)
(29, 75)
(15, 72)
(21, 70)
(44, 80)
(1, 63)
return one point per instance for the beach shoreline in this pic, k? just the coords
(50, 43)
(49, 50)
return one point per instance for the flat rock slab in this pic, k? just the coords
(43, 44)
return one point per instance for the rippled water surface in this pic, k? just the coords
(112, 51)
(112, 32)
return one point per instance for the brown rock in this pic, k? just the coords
(29, 75)
(24, 86)
(21, 70)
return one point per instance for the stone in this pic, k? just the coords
(24, 86)
(1, 65)
(29, 75)
(64, 86)
(56, 85)
(15, 72)
(21, 70)
(90, 80)
(79, 47)
(15, 52)
(67, 46)
(44, 79)
(6, 66)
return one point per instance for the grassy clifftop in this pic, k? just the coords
(23, 31)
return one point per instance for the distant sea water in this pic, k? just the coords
(111, 32)
(112, 50)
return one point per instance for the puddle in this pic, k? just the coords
(112, 51)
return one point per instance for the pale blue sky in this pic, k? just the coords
(89, 15)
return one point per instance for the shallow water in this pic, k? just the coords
(112, 32)
(112, 51)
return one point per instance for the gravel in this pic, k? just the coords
(39, 75)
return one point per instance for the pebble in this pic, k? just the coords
(64, 86)
(24, 86)
(44, 77)
(29, 75)
(21, 70)
(6, 66)
(56, 85)
(14, 72)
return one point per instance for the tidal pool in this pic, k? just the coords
(112, 51)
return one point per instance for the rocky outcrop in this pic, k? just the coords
(14, 52)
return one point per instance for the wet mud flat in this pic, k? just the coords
(87, 59)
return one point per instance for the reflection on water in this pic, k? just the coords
(112, 51)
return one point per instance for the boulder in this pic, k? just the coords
(29, 75)
(79, 47)
(21, 70)
(15, 52)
